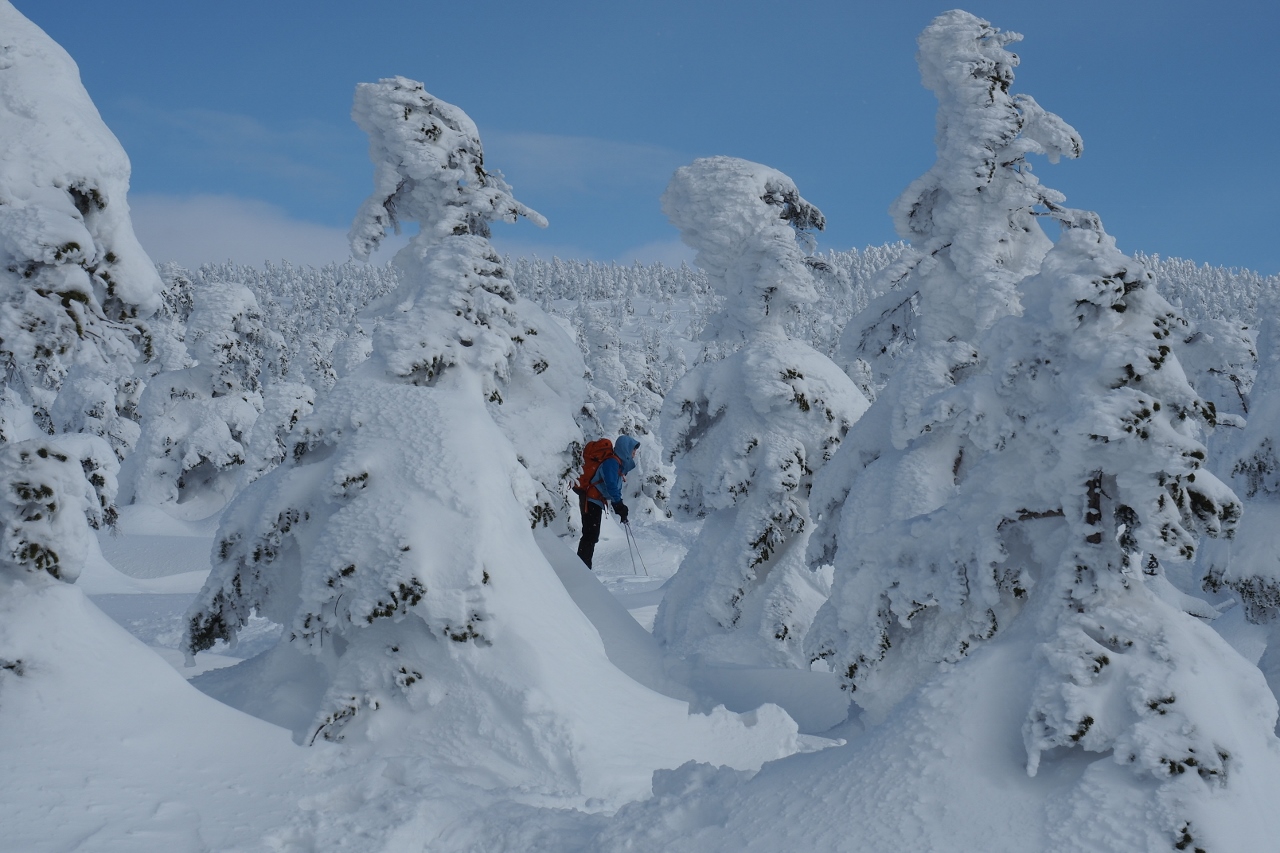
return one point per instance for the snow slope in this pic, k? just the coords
(947, 772)
(105, 748)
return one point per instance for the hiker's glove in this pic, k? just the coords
(621, 509)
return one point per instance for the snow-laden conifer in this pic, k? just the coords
(311, 308)
(195, 421)
(972, 224)
(49, 489)
(429, 168)
(75, 292)
(626, 397)
(1096, 404)
(746, 432)
(394, 543)
(748, 248)
(1249, 563)
(75, 286)
(971, 219)
(168, 326)
(1082, 477)
(1056, 475)
(454, 318)
(1221, 360)
(268, 444)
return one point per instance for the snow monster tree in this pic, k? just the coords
(972, 223)
(395, 544)
(971, 220)
(75, 292)
(1060, 468)
(746, 432)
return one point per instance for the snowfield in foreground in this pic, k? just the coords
(115, 753)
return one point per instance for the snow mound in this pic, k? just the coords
(104, 747)
(947, 773)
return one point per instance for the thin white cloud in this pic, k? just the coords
(548, 163)
(210, 229)
(197, 229)
(533, 248)
(672, 253)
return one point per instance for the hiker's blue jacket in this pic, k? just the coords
(608, 478)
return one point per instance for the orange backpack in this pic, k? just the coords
(595, 453)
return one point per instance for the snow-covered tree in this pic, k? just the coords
(1061, 470)
(312, 308)
(429, 167)
(454, 321)
(1124, 663)
(394, 543)
(167, 328)
(972, 224)
(1249, 563)
(1221, 361)
(1082, 477)
(268, 444)
(49, 488)
(74, 283)
(75, 289)
(746, 432)
(195, 421)
(748, 249)
(626, 399)
(971, 219)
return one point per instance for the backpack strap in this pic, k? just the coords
(598, 477)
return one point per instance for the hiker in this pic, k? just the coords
(604, 469)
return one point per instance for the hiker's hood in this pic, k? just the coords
(623, 447)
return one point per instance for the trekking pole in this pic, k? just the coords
(631, 538)
(627, 529)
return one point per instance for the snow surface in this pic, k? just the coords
(116, 753)
(122, 755)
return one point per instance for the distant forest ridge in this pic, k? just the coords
(311, 306)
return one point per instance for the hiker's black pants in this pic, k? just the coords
(592, 515)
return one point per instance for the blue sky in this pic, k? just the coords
(236, 114)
